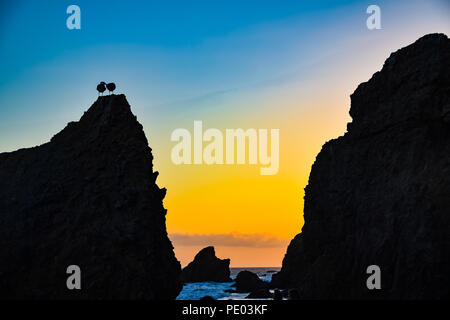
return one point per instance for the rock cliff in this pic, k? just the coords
(380, 194)
(207, 267)
(87, 198)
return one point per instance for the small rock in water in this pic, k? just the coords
(247, 281)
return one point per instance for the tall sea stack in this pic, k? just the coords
(86, 198)
(380, 194)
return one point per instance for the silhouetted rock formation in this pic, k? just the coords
(86, 198)
(247, 281)
(207, 267)
(380, 193)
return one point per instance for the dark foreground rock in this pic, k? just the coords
(86, 198)
(260, 294)
(247, 281)
(207, 267)
(379, 195)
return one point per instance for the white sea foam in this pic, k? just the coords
(197, 290)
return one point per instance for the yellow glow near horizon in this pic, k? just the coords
(221, 199)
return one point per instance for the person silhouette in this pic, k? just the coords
(111, 87)
(101, 88)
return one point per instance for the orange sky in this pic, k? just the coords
(220, 200)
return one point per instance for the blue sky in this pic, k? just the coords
(40, 26)
(173, 57)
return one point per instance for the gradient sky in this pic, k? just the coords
(290, 65)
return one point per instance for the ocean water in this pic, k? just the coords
(197, 290)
